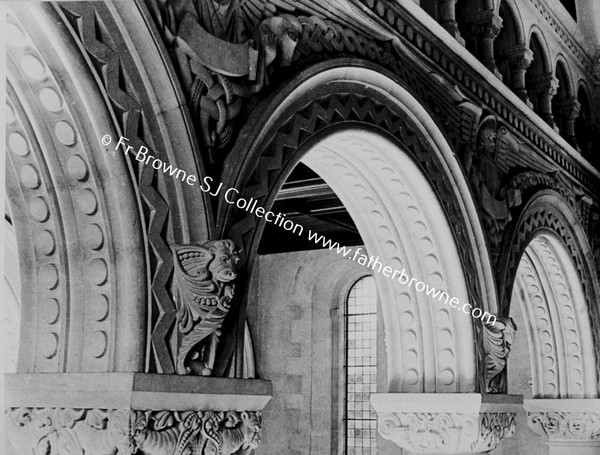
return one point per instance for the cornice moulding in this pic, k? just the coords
(135, 391)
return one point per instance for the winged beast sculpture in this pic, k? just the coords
(204, 288)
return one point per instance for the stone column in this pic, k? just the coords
(486, 26)
(127, 413)
(546, 86)
(569, 111)
(447, 19)
(448, 423)
(519, 60)
(570, 426)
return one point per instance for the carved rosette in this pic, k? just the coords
(428, 432)
(566, 426)
(65, 431)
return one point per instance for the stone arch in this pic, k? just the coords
(557, 322)
(536, 35)
(389, 199)
(100, 245)
(550, 273)
(561, 62)
(346, 95)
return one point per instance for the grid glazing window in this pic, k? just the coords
(360, 367)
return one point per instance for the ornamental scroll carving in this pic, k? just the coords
(65, 431)
(203, 291)
(424, 432)
(497, 341)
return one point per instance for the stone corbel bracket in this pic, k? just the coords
(568, 425)
(446, 423)
(127, 413)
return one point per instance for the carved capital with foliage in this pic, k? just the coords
(420, 432)
(65, 431)
(445, 423)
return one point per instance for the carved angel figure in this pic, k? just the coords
(203, 292)
(497, 340)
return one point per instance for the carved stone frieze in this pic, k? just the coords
(66, 431)
(566, 426)
(445, 423)
(445, 432)
(203, 290)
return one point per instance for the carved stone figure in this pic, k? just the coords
(495, 199)
(222, 50)
(203, 292)
(497, 340)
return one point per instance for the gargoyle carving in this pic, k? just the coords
(203, 292)
(497, 340)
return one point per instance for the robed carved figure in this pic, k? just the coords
(203, 292)
(497, 341)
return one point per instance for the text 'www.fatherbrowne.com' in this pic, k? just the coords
(232, 196)
(403, 278)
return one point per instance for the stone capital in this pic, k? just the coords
(566, 422)
(127, 413)
(545, 84)
(486, 24)
(570, 108)
(519, 56)
(446, 423)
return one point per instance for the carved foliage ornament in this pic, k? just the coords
(423, 432)
(60, 431)
(497, 340)
(203, 290)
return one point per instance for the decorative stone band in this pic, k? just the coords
(573, 423)
(457, 423)
(147, 414)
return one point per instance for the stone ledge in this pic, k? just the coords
(137, 391)
(444, 402)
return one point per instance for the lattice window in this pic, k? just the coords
(360, 367)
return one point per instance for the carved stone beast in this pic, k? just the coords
(203, 292)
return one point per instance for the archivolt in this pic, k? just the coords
(557, 321)
(549, 262)
(430, 346)
(337, 95)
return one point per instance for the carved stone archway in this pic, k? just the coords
(555, 288)
(391, 166)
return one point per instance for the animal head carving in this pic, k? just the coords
(203, 291)
(225, 258)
